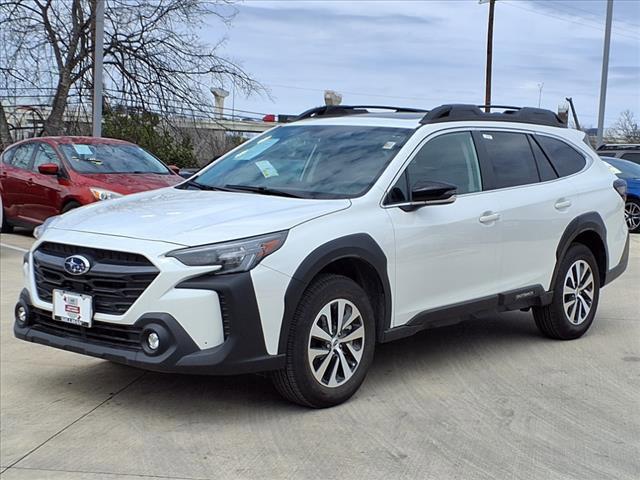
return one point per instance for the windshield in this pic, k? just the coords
(310, 161)
(111, 158)
(623, 168)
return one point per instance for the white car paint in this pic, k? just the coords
(436, 256)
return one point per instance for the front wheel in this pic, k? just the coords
(575, 296)
(632, 215)
(330, 345)
(6, 226)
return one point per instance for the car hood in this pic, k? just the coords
(194, 217)
(126, 183)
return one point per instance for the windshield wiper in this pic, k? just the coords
(202, 186)
(261, 190)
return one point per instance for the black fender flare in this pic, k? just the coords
(360, 246)
(590, 221)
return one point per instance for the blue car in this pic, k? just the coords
(630, 172)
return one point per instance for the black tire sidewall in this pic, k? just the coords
(70, 206)
(330, 288)
(565, 327)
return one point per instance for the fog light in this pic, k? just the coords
(153, 341)
(22, 316)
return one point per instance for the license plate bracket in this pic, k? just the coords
(73, 308)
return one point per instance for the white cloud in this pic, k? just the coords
(433, 52)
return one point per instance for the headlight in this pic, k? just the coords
(102, 194)
(235, 256)
(40, 229)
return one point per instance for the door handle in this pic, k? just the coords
(489, 217)
(562, 204)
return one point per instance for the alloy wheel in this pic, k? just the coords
(578, 292)
(336, 343)
(632, 215)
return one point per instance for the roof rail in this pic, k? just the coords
(342, 110)
(619, 146)
(463, 112)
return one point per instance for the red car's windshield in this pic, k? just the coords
(111, 158)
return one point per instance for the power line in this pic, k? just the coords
(567, 8)
(564, 19)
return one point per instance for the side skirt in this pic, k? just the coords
(531, 296)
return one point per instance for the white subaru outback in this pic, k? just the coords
(299, 251)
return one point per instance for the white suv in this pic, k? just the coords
(300, 250)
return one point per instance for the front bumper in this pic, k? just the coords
(242, 351)
(213, 323)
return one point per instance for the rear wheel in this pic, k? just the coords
(575, 296)
(330, 345)
(632, 214)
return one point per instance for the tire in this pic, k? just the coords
(6, 226)
(331, 384)
(70, 206)
(559, 320)
(632, 214)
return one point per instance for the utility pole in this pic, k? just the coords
(573, 111)
(98, 51)
(487, 94)
(605, 72)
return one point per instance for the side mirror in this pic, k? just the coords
(48, 169)
(174, 169)
(431, 193)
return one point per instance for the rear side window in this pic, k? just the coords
(8, 155)
(511, 157)
(22, 156)
(546, 170)
(564, 158)
(632, 157)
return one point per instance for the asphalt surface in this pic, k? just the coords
(488, 399)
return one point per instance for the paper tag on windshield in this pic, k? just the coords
(267, 169)
(388, 145)
(82, 149)
(487, 136)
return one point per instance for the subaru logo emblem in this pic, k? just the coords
(76, 265)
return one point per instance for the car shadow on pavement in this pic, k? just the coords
(422, 354)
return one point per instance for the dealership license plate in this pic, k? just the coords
(72, 308)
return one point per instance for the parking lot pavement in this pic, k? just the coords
(485, 399)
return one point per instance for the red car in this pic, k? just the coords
(46, 176)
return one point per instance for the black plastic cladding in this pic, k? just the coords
(359, 246)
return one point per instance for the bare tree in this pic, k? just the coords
(153, 56)
(627, 128)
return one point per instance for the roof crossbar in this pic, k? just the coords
(463, 112)
(342, 110)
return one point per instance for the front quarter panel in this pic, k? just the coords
(361, 218)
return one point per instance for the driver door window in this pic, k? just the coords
(45, 154)
(449, 158)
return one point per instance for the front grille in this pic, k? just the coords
(101, 333)
(115, 280)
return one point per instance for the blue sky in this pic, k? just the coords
(425, 53)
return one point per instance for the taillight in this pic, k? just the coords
(620, 186)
